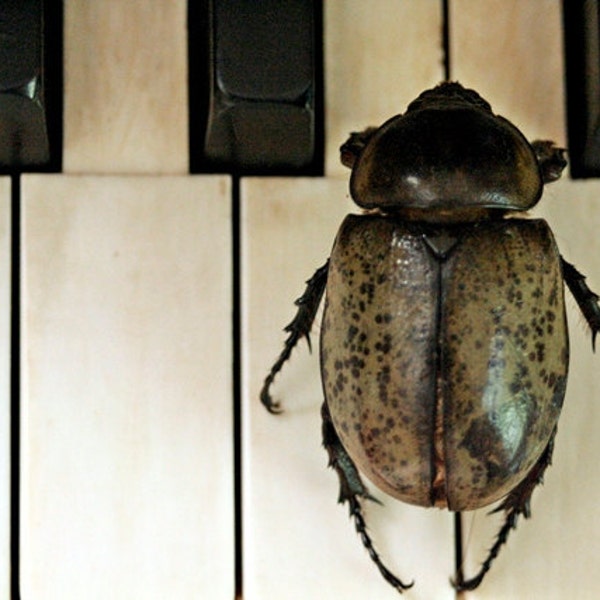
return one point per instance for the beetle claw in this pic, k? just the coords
(466, 585)
(265, 397)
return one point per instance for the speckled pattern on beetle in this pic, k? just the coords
(444, 344)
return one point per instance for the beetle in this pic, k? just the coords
(444, 344)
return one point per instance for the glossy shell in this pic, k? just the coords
(446, 153)
(444, 354)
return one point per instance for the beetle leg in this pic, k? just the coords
(351, 487)
(300, 326)
(350, 150)
(516, 503)
(586, 299)
(551, 159)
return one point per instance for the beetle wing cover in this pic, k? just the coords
(444, 371)
(376, 353)
(505, 357)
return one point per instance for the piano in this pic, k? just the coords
(145, 277)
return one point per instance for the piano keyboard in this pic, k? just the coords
(135, 380)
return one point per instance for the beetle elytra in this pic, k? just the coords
(444, 346)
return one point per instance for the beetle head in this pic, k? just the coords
(447, 157)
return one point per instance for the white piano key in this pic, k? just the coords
(127, 467)
(125, 87)
(511, 53)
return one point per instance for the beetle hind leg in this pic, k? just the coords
(351, 489)
(300, 326)
(515, 504)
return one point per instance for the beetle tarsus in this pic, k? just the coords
(361, 529)
(585, 298)
(300, 326)
(351, 488)
(516, 503)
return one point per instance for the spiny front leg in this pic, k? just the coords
(351, 488)
(585, 298)
(308, 305)
(516, 503)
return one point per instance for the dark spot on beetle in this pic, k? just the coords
(540, 351)
(522, 370)
(537, 293)
(383, 395)
(496, 362)
(515, 387)
(382, 278)
(352, 331)
(361, 306)
(497, 314)
(367, 289)
(384, 346)
(390, 423)
(365, 268)
(355, 316)
(337, 365)
(340, 382)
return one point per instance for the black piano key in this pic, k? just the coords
(30, 55)
(581, 26)
(263, 112)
